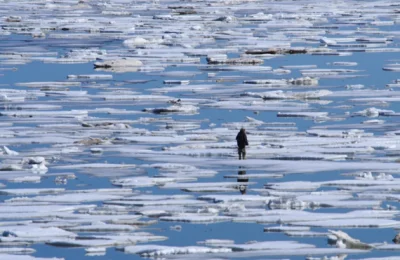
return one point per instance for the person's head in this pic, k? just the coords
(242, 130)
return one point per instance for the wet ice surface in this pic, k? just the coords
(118, 125)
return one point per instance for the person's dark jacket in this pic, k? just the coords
(241, 139)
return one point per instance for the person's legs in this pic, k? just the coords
(240, 153)
(244, 153)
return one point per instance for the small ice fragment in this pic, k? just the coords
(11, 167)
(96, 150)
(343, 240)
(9, 152)
(373, 112)
(285, 228)
(327, 41)
(176, 228)
(33, 160)
(95, 249)
(13, 19)
(344, 63)
(91, 77)
(60, 180)
(39, 168)
(129, 62)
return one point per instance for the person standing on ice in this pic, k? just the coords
(241, 140)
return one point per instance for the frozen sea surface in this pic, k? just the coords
(119, 118)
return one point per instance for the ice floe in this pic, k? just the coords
(7, 256)
(342, 239)
(121, 65)
(158, 250)
(347, 223)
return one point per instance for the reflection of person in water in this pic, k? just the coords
(242, 178)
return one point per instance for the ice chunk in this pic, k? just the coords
(30, 191)
(32, 232)
(327, 41)
(102, 227)
(345, 241)
(164, 202)
(18, 250)
(314, 115)
(9, 151)
(7, 256)
(71, 198)
(147, 181)
(96, 250)
(184, 109)
(285, 229)
(373, 112)
(347, 223)
(267, 245)
(234, 198)
(298, 185)
(157, 250)
(387, 247)
(196, 218)
(216, 242)
(215, 185)
(129, 62)
(106, 241)
(95, 166)
(90, 76)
